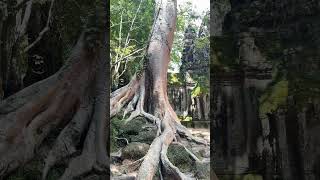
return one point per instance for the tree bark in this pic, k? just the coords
(151, 88)
(14, 28)
(79, 89)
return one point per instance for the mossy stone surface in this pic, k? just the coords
(146, 136)
(133, 127)
(179, 157)
(135, 150)
(202, 170)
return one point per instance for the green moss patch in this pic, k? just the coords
(274, 97)
(180, 158)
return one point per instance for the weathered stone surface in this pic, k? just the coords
(135, 150)
(133, 127)
(266, 90)
(219, 9)
(145, 136)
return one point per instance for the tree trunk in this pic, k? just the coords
(2, 19)
(79, 91)
(150, 87)
(14, 25)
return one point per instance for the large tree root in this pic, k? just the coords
(79, 89)
(128, 168)
(151, 87)
(168, 128)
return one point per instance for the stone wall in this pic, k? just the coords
(195, 62)
(266, 96)
(185, 105)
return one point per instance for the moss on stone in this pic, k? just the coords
(116, 124)
(135, 150)
(180, 158)
(274, 97)
(202, 170)
(145, 136)
(121, 130)
(134, 127)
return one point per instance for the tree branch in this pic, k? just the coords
(113, 25)
(44, 30)
(21, 4)
(129, 55)
(23, 27)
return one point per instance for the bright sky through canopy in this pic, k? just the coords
(200, 6)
